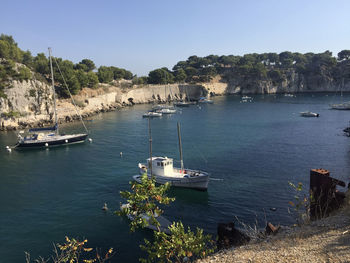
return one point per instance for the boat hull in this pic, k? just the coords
(195, 182)
(62, 140)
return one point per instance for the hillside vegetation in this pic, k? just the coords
(252, 73)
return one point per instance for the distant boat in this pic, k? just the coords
(163, 222)
(309, 114)
(182, 104)
(245, 99)
(151, 114)
(166, 111)
(163, 171)
(342, 105)
(45, 137)
(205, 100)
(289, 95)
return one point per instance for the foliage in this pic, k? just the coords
(92, 80)
(139, 80)
(86, 65)
(179, 246)
(24, 73)
(73, 251)
(11, 114)
(160, 76)
(301, 204)
(145, 199)
(105, 74)
(344, 55)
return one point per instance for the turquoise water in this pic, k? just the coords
(255, 148)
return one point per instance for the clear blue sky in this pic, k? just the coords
(147, 34)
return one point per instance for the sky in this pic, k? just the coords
(142, 35)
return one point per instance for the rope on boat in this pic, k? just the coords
(75, 106)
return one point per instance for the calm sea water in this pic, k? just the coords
(255, 148)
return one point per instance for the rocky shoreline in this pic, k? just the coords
(324, 240)
(36, 110)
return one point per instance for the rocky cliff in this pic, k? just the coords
(30, 103)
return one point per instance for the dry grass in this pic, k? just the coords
(326, 240)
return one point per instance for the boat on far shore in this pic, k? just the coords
(205, 100)
(245, 99)
(182, 104)
(341, 106)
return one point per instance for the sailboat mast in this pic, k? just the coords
(54, 93)
(150, 146)
(180, 146)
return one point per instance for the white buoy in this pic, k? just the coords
(66, 140)
(46, 144)
(105, 208)
(90, 140)
(8, 149)
(121, 154)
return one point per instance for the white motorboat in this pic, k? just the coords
(309, 114)
(166, 111)
(152, 114)
(163, 171)
(163, 222)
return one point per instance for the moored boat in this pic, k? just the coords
(246, 99)
(205, 100)
(309, 114)
(152, 114)
(182, 104)
(161, 168)
(50, 136)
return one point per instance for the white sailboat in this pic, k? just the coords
(45, 137)
(163, 171)
(342, 105)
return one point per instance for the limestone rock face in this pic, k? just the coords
(26, 102)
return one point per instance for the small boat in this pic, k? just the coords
(152, 114)
(341, 106)
(309, 114)
(289, 95)
(166, 111)
(50, 136)
(164, 172)
(205, 100)
(246, 99)
(182, 104)
(163, 222)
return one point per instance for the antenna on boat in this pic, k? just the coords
(54, 92)
(180, 146)
(150, 145)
